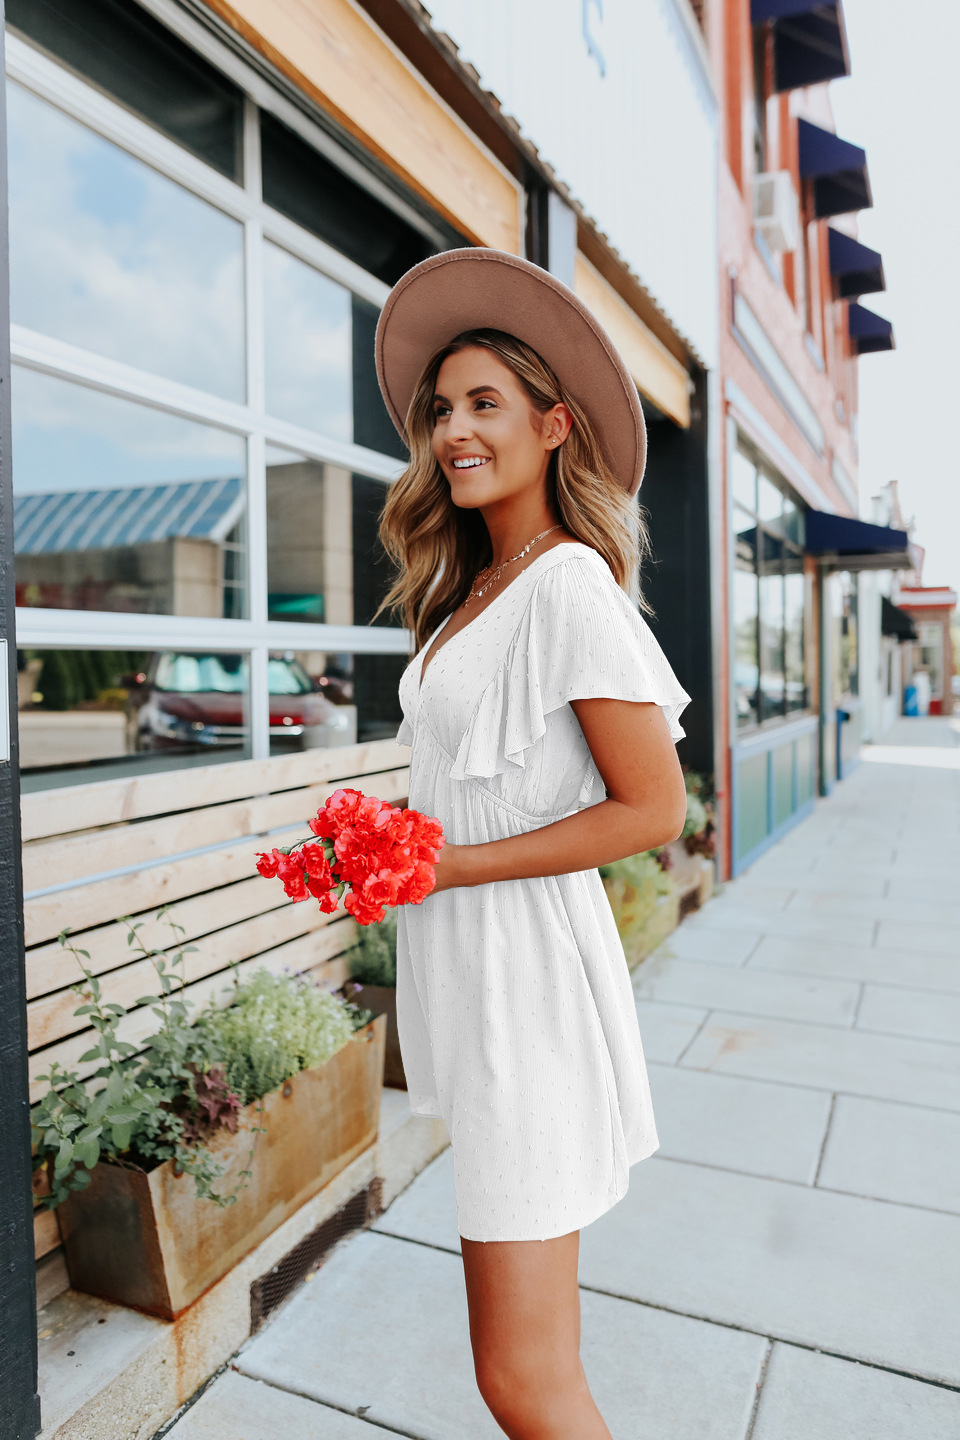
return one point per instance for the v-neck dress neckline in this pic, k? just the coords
(421, 672)
(515, 1010)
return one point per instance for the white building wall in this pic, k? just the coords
(617, 97)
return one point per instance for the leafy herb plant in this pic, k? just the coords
(136, 1109)
(373, 960)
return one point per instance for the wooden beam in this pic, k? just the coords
(658, 375)
(337, 56)
(108, 802)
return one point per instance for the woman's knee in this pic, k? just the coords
(523, 1395)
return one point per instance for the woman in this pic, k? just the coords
(542, 718)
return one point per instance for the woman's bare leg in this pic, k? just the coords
(525, 1330)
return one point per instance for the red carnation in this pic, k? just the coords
(290, 871)
(268, 863)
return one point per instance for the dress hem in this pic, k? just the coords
(568, 1230)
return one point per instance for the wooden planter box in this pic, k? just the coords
(382, 1000)
(641, 928)
(142, 1238)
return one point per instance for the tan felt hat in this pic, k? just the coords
(476, 289)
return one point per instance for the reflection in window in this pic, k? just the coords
(306, 187)
(308, 344)
(745, 612)
(772, 660)
(794, 593)
(99, 714)
(319, 699)
(325, 563)
(107, 254)
(121, 507)
(309, 539)
(846, 655)
(769, 597)
(136, 59)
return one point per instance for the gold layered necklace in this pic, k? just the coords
(489, 576)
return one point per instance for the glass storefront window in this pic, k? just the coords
(308, 342)
(109, 255)
(305, 186)
(794, 593)
(319, 699)
(930, 636)
(769, 596)
(100, 715)
(132, 498)
(745, 615)
(845, 647)
(118, 506)
(744, 480)
(132, 56)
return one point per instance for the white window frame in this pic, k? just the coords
(256, 636)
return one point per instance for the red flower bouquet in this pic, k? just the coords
(380, 855)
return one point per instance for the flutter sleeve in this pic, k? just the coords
(580, 638)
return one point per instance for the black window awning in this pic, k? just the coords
(837, 169)
(894, 621)
(809, 41)
(858, 269)
(848, 544)
(869, 332)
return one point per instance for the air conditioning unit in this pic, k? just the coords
(776, 212)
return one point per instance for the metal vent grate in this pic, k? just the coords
(270, 1290)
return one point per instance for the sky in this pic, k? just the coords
(900, 103)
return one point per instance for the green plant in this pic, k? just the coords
(276, 1026)
(135, 1109)
(373, 960)
(698, 832)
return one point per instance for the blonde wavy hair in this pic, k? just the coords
(438, 548)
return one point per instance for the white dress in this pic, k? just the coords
(515, 1009)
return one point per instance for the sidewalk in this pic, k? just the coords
(787, 1266)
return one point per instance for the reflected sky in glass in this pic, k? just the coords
(308, 331)
(67, 437)
(107, 254)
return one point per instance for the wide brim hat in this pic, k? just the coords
(481, 289)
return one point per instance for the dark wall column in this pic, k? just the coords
(19, 1402)
(677, 583)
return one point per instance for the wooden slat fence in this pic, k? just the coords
(186, 838)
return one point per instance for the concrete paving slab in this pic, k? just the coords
(752, 991)
(870, 1281)
(867, 885)
(857, 1062)
(841, 902)
(897, 1010)
(666, 1030)
(83, 1344)
(807, 1396)
(829, 928)
(384, 1327)
(921, 939)
(718, 947)
(938, 892)
(902, 1153)
(427, 1210)
(857, 962)
(773, 1130)
(236, 1408)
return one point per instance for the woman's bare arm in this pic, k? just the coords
(645, 806)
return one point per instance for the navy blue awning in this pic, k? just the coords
(856, 545)
(837, 169)
(859, 270)
(809, 40)
(896, 622)
(868, 331)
